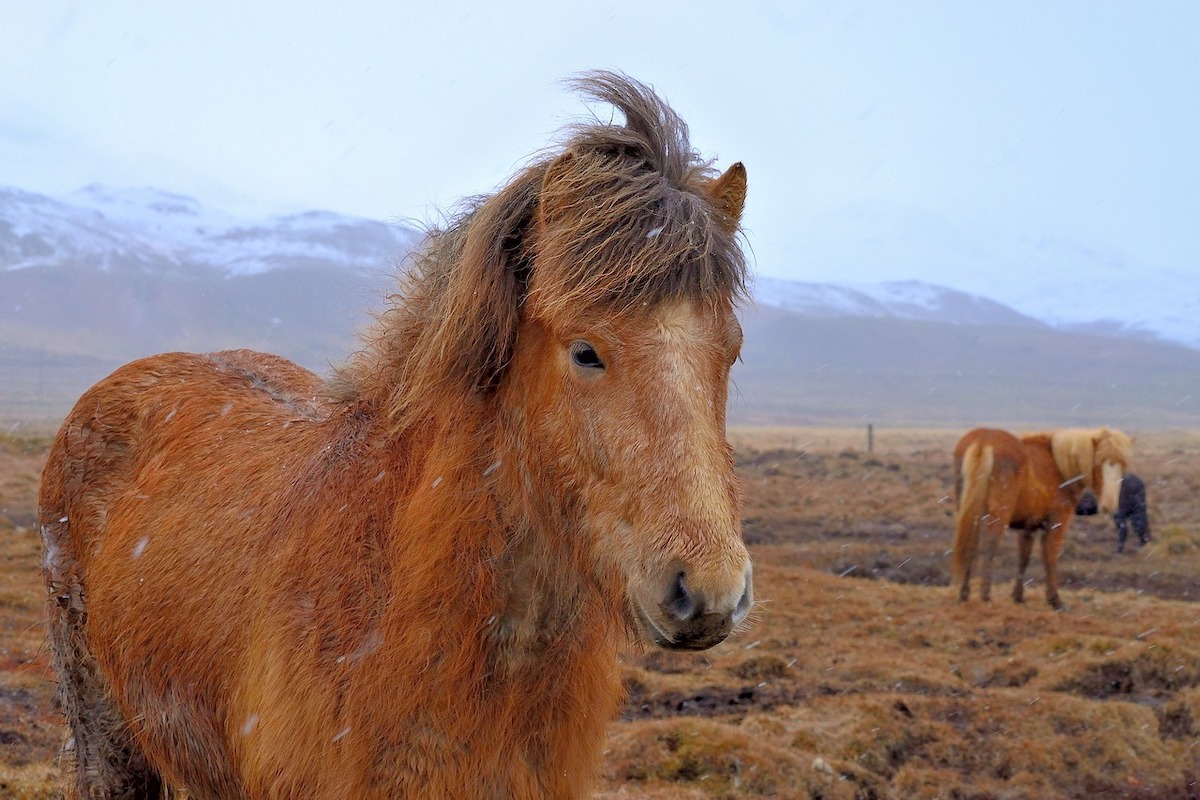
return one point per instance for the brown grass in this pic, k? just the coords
(861, 677)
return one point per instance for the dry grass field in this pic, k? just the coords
(861, 675)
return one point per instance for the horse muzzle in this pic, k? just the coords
(691, 616)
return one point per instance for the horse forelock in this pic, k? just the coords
(625, 217)
(616, 218)
(1114, 446)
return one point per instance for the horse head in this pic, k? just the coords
(619, 371)
(1096, 456)
(1112, 450)
(587, 311)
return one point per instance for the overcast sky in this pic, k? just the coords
(1076, 120)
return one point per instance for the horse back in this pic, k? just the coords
(1046, 496)
(148, 410)
(1007, 455)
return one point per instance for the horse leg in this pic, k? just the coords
(1122, 531)
(994, 532)
(1024, 552)
(1052, 543)
(1141, 525)
(964, 591)
(108, 763)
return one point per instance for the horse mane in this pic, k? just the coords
(1077, 450)
(616, 217)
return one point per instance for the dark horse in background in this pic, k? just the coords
(1032, 484)
(1132, 510)
(415, 579)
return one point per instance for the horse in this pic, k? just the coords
(415, 577)
(1031, 483)
(1132, 510)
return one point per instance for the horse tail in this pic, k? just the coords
(974, 475)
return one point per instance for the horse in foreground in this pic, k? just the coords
(1032, 483)
(415, 579)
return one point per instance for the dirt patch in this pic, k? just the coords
(709, 701)
(1147, 677)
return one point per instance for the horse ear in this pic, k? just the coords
(728, 194)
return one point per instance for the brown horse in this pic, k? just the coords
(1032, 483)
(415, 579)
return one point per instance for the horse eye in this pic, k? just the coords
(585, 356)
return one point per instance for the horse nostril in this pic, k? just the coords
(680, 604)
(746, 602)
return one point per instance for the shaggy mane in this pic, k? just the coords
(1077, 450)
(617, 217)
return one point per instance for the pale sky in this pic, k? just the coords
(1073, 120)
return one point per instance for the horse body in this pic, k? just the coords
(1030, 483)
(415, 580)
(1132, 510)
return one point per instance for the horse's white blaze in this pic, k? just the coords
(686, 346)
(1111, 475)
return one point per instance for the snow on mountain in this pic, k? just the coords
(152, 230)
(1046, 277)
(897, 299)
(37, 230)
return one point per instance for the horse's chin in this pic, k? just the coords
(649, 629)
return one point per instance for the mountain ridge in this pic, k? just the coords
(118, 274)
(151, 229)
(1042, 274)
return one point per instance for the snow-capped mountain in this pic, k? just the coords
(119, 273)
(156, 231)
(895, 299)
(1048, 277)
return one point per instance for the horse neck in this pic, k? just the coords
(478, 539)
(497, 641)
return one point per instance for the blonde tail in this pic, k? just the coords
(973, 477)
